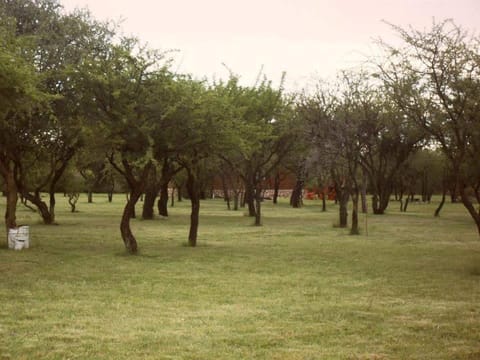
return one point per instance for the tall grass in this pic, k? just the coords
(295, 288)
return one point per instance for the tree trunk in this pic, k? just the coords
(380, 202)
(324, 200)
(442, 202)
(407, 201)
(24, 201)
(343, 195)
(72, 200)
(172, 200)
(12, 198)
(52, 205)
(250, 198)
(276, 187)
(354, 229)
(296, 198)
(453, 192)
(128, 213)
(151, 192)
(226, 194)
(425, 186)
(41, 206)
(194, 194)
(149, 203)
(468, 204)
(90, 196)
(179, 192)
(258, 206)
(163, 200)
(363, 194)
(236, 199)
(111, 189)
(45, 214)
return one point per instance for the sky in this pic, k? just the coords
(307, 39)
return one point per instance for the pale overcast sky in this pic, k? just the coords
(306, 38)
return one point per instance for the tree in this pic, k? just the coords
(333, 117)
(434, 79)
(120, 80)
(195, 127)
(20, 95)
(59, 45)
(263, 120)
(386, 139)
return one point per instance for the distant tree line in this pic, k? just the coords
(83, 108)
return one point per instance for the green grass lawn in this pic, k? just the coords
(295, 288)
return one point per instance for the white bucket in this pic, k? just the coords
(19, 238)
(12, 233)
(23, 235)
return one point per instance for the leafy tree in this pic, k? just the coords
(59, 44)
(120, 80)
(194, 129)
(263, 120)
(434, 79)
(333, 122)
(20, 96)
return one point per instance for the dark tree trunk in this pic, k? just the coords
(258, 206)
(12, 198)
(226, 194)
(469, 206)
(52, 204)
(380, 202)
(163, 200)
(342, 196)
(425, 186)
(363, 195)
(53, 184)
(453, 192)
(296, 198)
(236, 199)
(72, 200)
(111, 189)
(24, 201)
(137, 187)
(172, 200)
(133, 214)
(354, 229)
(129, 213)
(442, 202)
(41, 206)
(276, 187)
(324, 201)
(250, 198)
(179, 192)
(90, 196)
(149, 203)
(151, 192)
(194, 194)
(405, 206)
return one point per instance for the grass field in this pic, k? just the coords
(295, 288)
